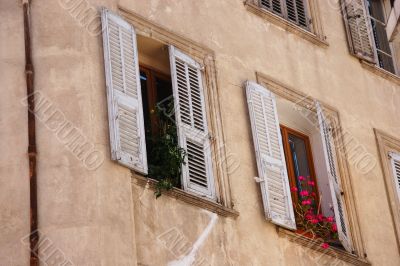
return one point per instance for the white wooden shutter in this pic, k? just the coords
(334, 179)
(125, 113)
(395, 160)
(273, 177)
(190, 115)
(358, 28)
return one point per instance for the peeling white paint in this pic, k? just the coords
(190, 258)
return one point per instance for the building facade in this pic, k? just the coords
(258, 122)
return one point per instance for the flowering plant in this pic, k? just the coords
(309, 217)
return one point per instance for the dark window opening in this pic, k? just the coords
(159, 118)
(377, 17)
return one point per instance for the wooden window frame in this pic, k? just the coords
(285, 131)
(206, 57)
(151, 74)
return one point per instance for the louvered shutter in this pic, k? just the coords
(296, 12)
(334, 179)
(193, 135)
(275, 6)
(358, 28)
(395, 159)
(273, 177)
(125, 113)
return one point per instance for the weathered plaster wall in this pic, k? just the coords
(14, 185)
(94, 216)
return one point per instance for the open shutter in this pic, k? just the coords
(358, 28)
(273, 177)
(334, 179)
(193, 135)
(395, 160)
(125, 113)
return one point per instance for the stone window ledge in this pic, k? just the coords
(315, 244)
(283, 23)
(187, 197)
(381, 72)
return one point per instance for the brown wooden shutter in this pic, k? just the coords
(358, 29)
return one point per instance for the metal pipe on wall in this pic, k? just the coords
(29, 75)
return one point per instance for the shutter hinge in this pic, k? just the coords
(342, 193)
(258, 179)
(390, 156)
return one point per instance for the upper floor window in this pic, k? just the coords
(378, 26)
(366, 32)
(294, 11)
(156, 108)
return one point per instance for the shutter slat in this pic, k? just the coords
(197, 173)
(271, 164)
(358, 30)
(124, 99)
(334, 180)
(395, 158)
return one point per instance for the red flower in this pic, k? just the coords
(309, 217)
(334, 228)
(314, 221)
(320, 217)
(311, 183)
(330, 219)
(306, 202)
(313, 194)
(324, 245)
(301, 178)
(294, 189)
(304, 193)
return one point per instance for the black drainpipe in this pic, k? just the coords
(29, 74)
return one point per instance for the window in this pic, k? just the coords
(389, 150)
(366, 32)
(143, 74)
(299, 162)
(300, 17)
(378, 24)
(294, 11)
(284, 154)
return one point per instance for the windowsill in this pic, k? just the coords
(187, 197)
(381, 72)
(283, 23)
(316, 245)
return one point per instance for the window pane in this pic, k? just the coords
(301, 164)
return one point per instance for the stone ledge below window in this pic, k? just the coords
(315, 244)
(285, 24)
(187, 197)
(381, 72)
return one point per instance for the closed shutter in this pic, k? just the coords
(334, 179)
(125, 113)
(272, 5)
(358, 29)
(273, 177)
(395, 159)
(193, 135)
(296, 12)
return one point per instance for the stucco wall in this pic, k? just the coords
(96, 217)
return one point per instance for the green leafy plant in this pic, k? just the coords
(309, 217)
(166, 157)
